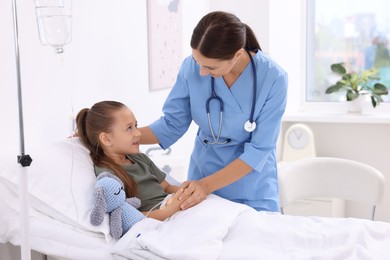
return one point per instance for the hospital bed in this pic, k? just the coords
(61, 183)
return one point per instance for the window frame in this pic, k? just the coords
(308, 60)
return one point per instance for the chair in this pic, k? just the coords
(330, 177)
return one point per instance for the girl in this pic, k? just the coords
(109, 130)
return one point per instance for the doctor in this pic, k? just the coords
(237, 96)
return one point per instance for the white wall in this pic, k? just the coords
(254, 13)
(287, 45)
(107, 59)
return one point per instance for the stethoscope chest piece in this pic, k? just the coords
(250, 127)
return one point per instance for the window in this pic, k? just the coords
(355, 32)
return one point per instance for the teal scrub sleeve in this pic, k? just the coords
(264, 138)
(177, 112)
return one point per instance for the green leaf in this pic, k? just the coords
(331, 89)
(341, 84)
(338, 68)
(347, 77)
(380, 89)
(378, 98)
(370, 74)
(351, 95)
(334, 88)
(373, 102)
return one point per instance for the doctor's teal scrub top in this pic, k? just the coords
(187, 102)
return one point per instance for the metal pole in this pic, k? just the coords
(23, 159)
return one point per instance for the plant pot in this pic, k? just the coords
(356, 105)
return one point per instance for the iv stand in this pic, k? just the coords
(23, 159)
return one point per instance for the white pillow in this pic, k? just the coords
(61, 182)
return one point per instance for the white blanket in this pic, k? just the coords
(220, 229)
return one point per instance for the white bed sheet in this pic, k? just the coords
(61, 183)
(220, 229)
(215, 229)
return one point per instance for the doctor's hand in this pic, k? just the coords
(196, 190)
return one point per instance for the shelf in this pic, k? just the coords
(317, 117)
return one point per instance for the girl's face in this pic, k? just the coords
(124, 136)
(215, 67)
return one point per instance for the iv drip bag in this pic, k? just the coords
(54, 19)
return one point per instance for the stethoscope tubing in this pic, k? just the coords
(221, 105)
(254, 87)
(213, 96)
(216, 139)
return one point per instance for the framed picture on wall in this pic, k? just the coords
(165, 44)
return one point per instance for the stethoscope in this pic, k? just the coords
(249, 125)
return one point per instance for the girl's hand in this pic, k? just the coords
(173, 203)
(171, 207)
(194, 192)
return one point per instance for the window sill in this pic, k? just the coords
(345, 118)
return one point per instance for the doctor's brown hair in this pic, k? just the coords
(219, 35)
(90, 123)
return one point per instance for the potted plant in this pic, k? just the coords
(356, 84)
